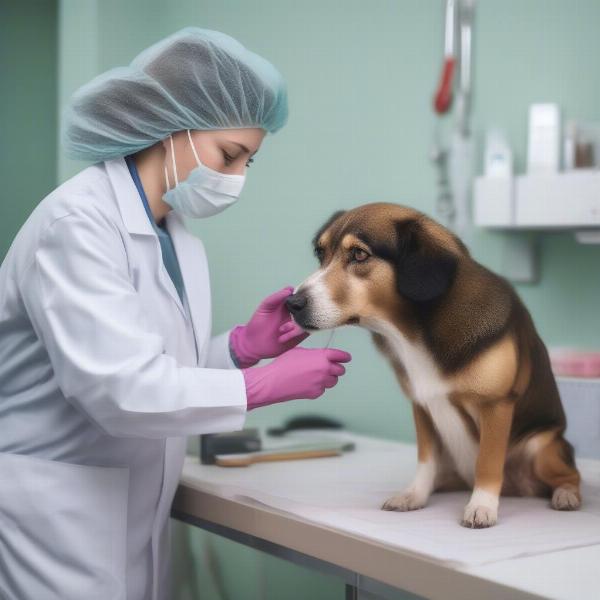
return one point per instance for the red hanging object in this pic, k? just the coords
(443, 96)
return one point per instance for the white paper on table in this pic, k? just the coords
(346, 493)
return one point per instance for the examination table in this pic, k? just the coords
(324, 513)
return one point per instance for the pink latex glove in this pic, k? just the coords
(270, 331)
(298, 373)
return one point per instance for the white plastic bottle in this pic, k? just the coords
(543, 150)
(498, 155)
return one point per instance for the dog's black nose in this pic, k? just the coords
(296, 302)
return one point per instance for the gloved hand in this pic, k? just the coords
(298, 373)
(270, 332)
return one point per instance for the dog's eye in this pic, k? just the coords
(319, 253)
(359, 255)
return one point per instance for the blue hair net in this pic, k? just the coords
(193, 79)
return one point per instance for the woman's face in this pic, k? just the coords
(225, 150)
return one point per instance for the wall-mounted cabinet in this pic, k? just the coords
(561, 201)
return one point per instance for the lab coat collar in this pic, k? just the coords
(193, 264)
(136, 219)
(131, 207)
(189, 249)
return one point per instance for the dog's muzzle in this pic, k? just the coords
(297, 304)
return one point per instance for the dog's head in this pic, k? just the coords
(377, 261)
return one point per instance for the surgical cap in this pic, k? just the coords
(193, 79)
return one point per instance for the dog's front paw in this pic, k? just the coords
(479, 516)
(565, 498)
(407, 500)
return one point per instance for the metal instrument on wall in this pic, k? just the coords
(453, 156)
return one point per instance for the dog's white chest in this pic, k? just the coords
(431, 391)
(457, 440)
(426, 383)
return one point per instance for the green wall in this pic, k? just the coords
(28, 40)
(360, 76)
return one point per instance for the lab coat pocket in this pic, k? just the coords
(62, 529)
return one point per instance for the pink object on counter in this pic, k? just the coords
(575, 363)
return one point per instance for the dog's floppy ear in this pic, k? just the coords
(423, 270)
(324, 227)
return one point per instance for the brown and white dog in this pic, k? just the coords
(464, 349)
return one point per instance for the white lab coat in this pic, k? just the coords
(102, 375)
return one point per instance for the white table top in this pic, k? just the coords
(329, 508)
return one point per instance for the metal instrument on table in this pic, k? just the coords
(294, 452)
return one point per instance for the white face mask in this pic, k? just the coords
(205, 192)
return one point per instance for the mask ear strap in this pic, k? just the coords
(193, 148)
(173, 160)
(167, 179)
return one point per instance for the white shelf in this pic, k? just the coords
(553, 202)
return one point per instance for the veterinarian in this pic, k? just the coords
(106, 355)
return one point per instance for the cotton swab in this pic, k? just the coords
(331, 334)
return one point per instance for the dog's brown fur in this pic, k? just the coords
(420, 280)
